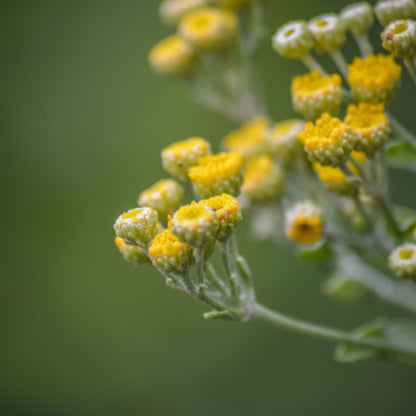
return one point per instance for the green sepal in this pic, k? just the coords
(317, 252)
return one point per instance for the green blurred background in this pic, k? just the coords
(82, 331)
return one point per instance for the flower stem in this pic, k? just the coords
(224, 248)
(339, 60)
(312, 64)
(411, 67)
(402, 131)
(363, 44)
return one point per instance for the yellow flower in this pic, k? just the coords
(194, 224)
(209, 29)
(263, 179)
(228, 213)
(403, 261)
(250, 139)
(172, 11)
(303, 223)
(329, 142)
(137, 226)
(169, 254)
(132, 253)
(399, 38)
(314, 94)
(180, 156)
(328, 32)
(173, 55)
(217, 174)
(375, 78)
(284, 141)
(334, 179)
(369, 125)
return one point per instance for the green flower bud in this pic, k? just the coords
(399, 38)
(293, 40)
(358, 17)
(328, 32)
(388, 11)
(403, 261)
(172, 11)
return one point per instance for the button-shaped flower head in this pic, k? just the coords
(388, 11)
(374, 79)
(169, 254)
(369, 125)
(328, 142)
(180, 156)
(173, 56)
(137, 226)
(399, 38)
(293, 40)
(228, 212)
(403, 261)
(250, 139)
(284, 141)
(209, 29)
(132, 253)
(328, 32)
(194, 224)
(165, 197)
(314, 94)
(303, 223)
(218, 174)
(358, 17)
(263, 180)
(172, 11)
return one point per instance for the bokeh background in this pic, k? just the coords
(82, 331)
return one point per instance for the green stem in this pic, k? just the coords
(411, 67)
(324, 332)
(224, 250)
(363, 44)
(339, 60)
(402, 131)
(312, 64)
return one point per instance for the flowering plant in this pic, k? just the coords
(317, 183)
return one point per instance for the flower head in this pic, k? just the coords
(209, 28)
(388, 11)
(293, 40)
(369, 125)
(284, 141)
(194, 224)
(137, 226)
(358, 17)
(173, 55)
(303, 223)
(263, 179)
(180, 156)
(328, 32)
(399, 38)
(165, 197)
(403, 261)
(250, 139)
(217, 174)
(228, 213)
(169, 254)
(329, 142)
(314, 94)
(172, 11)
(132, 253)
(374, 79)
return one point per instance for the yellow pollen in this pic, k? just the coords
(120, 242)
(193, 213)
(314, 83)
(305, 229)
(224, 205)
(167, 244)
(183, 148)
(132, 214)
(399, 28)
(257, 169)
(406, 254)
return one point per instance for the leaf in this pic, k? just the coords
(400, 155)
(343, 288)
(317, 252)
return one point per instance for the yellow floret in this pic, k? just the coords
(173, 55)
(250, 139)
(209, 28)
(217, 174)
(132, 253)
(375, 78)
(284, 141)
(180, 156)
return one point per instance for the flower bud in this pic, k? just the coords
(218, 174)
(137, 226)
(374, 79)
(358, 17)
(284, 142)
(172, 11)
(173, 56)
(209, 29)
(165, 197)
(293, 40)
(329, 142)
(328, 32)
(399, 38)
(388, 11)
(369, 125)
(263, 180)
(180, 156)
(314, 94)
(228, 213)
(303, 223)
(169, 254)
(194, 224)
(133, 254)
(403, 261)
